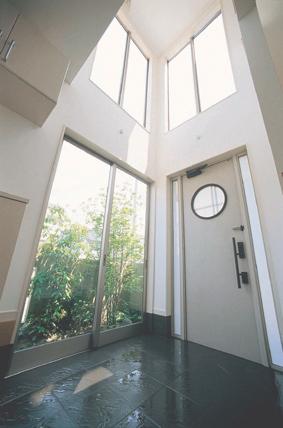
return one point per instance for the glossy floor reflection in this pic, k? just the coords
(147, 381)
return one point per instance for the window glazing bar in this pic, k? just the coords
(146, 95)
(103, 258)
(168, 99)
(207, 24)
(195, 74)
(146, 249)
(124, 74)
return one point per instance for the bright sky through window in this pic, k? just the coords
(135, 87)
(80, 179)
(182, 104)
(214, 70)
(109, 60)
(121, 70)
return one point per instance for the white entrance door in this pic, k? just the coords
(219, 314)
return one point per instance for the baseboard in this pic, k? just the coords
(6, 355)
(158, 324)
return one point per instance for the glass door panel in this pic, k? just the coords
(61, 296)
(122, 303)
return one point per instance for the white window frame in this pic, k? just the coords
(195, 74)
(124, 75)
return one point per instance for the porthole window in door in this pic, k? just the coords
(209, 201)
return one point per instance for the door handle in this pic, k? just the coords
(11, 45)
(242, 277)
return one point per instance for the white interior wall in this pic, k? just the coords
(27, 154)
(232, 123)
(271, 15)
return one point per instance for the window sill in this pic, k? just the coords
(147, 129)
(201, 112)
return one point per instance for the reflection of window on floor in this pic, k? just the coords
(62, 292)
(120, 69)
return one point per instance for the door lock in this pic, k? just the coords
(241, 250)
(242, 228)
(242, 277)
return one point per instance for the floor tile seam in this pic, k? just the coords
(152, 354)
(136, 407)
(63, 408)
(185, 396)
(17, 398)
(162, 383)
(106, 383)
(56, 399)
(121, 420)
(37, 388)
(142, 401)
(114, 389)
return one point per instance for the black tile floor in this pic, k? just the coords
(146, 381)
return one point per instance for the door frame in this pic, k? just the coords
(254, 283)
(29, 358)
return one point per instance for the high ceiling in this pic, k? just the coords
(160, 22)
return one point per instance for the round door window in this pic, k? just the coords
(209, 201)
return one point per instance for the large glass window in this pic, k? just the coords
(182, 104)
(124, 277)
(214, 72)
(76, 259)
(120, 69)
(194, 85)
(136, 84)
(108, 66)
(62, 291)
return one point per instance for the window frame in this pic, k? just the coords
(35, 356)
(120, 102)
(195, 72)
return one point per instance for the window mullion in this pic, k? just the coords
(195, 76)
(168, 98)
(146, 95)
(124, 74)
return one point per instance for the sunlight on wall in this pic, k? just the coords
(138, 148)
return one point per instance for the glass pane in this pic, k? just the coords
(182, 103)
(209, 201)
(177, 274)
(62, 290)
(124, 279)
(135, 87)
(109, 60)
(215, 77)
